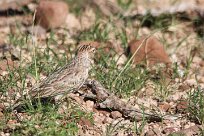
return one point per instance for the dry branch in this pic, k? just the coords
(107, 100)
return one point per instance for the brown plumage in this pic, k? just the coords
(68, 78)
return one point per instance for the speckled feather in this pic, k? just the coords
(68, 78)
(64, 80)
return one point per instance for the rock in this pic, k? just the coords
(85, 122)
(72, 22)
(13, 4)
(183, 87)
(51, 14)
(12, 124)
(151, 51)
(120, 59)
(7, 65)
(98, 118)
(169, 130)
(177, 96)
(32, 6)
(153, 132)
(191, 82)
(164, 106)
(37, 31)
(157, 8)
(2, 107)
(108, 7)
(87, 19)
(105, 113)
(116, 114)
(150, 133)
(182, 106)
(76, 98)
(191, 131)
(200, 79)
(90, 105)
(107, 120)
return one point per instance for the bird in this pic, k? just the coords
(68, 78)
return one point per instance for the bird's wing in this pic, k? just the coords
(59, 83)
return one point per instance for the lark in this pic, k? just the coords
(68, 78)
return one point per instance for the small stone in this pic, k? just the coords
(150, 133)
(191, 82)
(90, 105)
(12, 123)
(37, 31)
(37, 126)
(7, 64)
(201, 79)
(164, 106)
(87, 18)
(2, 107)
(85, 122)
(72, 22)
(169, 130)
(105, 113)
(182, 106)
(116, 114)
(32, 6)
(107, 120)
(76, 98)
(197, 60)
(98, 119)
(120, 60)
(183, 87)
(190, 131)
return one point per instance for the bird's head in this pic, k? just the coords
(86, 49)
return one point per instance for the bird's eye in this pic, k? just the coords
(93, 50)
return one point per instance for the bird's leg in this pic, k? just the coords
(58, 99)
(18, 117)
(88, 82)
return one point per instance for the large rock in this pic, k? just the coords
(51, 14)
(149, 50)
